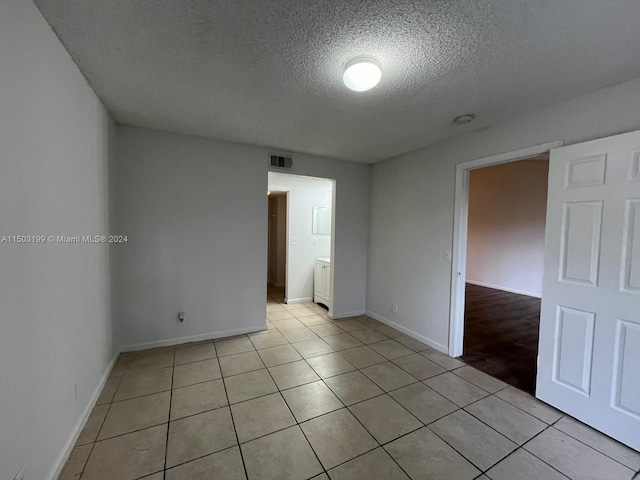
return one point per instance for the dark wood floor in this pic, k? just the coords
(501, 335)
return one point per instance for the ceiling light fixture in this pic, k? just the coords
(464, 119)
(362, 74)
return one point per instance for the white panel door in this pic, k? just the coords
(589, 351)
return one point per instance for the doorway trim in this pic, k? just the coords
(460, 218)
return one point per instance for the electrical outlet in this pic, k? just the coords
(181, 317)
(394, 308)
(20, 474)
(447, 254)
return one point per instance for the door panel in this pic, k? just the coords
(589, 351)
(631, 251)
(574, 344)
(627, 360)
(634, 167)
(581, 222)
(586, 172)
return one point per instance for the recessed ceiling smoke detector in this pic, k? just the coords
(362, 74)
(464, 119)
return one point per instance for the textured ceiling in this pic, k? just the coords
(269, 72)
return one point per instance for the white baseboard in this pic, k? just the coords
(411, 333)
(192, 338)
(71, 442)
(291, 301)
(336, 316)
(504, 289)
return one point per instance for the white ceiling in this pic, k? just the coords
(269, 72)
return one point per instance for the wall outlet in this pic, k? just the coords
(181, 318)
(20, 474)
(75, 391)
(394, 308)
(447, 254)
(293, 241)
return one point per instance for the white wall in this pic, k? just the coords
(195, 212)
(505, 236)
(413, 196)
(304, 194)
(55, 327)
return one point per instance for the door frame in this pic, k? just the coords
(460, 219)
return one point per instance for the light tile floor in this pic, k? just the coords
(311, 398)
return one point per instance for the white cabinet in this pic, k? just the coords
(322, 281)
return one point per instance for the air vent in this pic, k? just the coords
(280, 161)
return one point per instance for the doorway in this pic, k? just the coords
(488, 342)
(277, 245)
(301, 225)
(505, 263)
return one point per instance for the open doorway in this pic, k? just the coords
(504, 268)
(300, 238)
(277, 246)
(489, 293)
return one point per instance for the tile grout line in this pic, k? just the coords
(348, 408)
(324, 470)
(351, 413)
(298, 423)
(166, 445)
(327, 413)
(535, 456)
(233, 422)
(227, 399)
(195, 459)
(381, 445)
(521, 409)
(518, 447)
(358, 420)
(454, 448)
(93, 444)
(422, 423)
(589, 446)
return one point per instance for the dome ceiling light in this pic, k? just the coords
(362, 74)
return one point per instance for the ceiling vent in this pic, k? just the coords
(280, 162)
